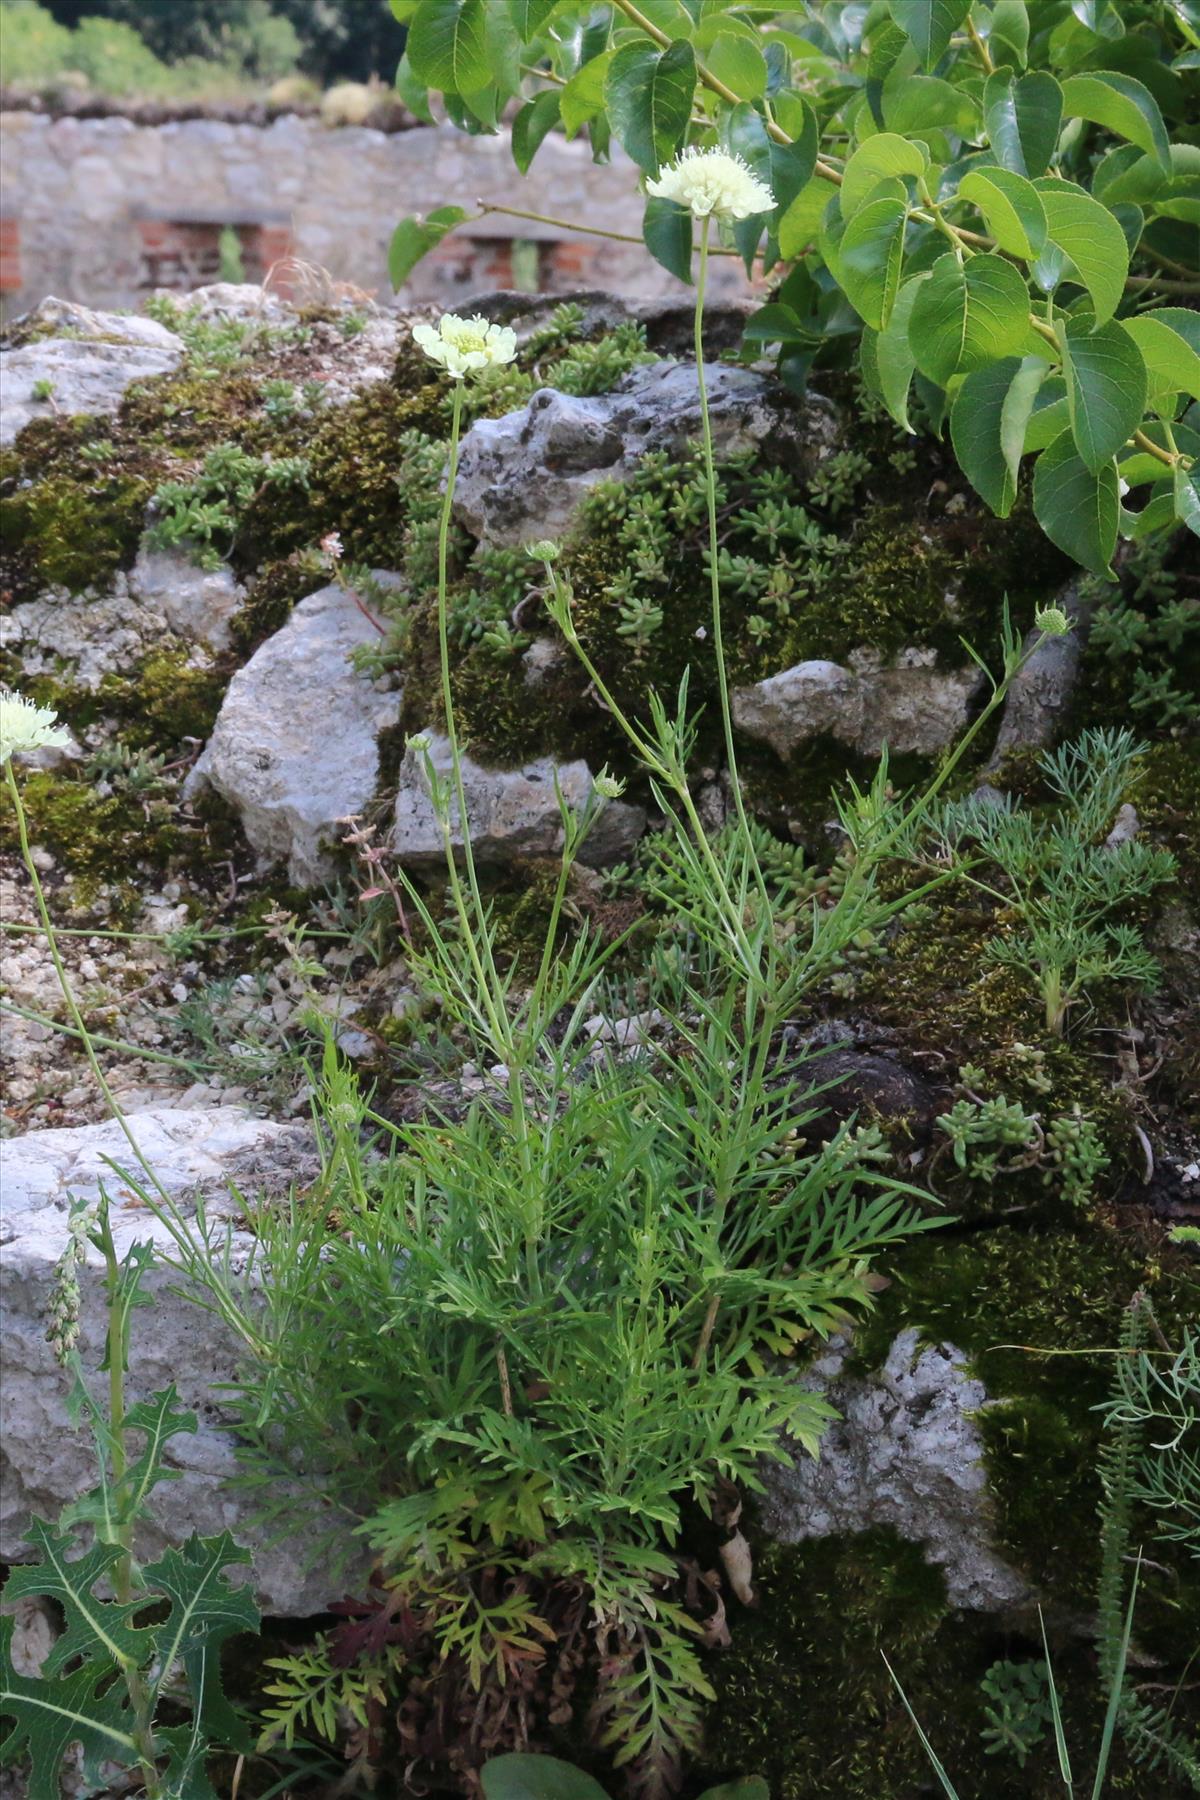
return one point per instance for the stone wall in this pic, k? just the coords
(104, 210)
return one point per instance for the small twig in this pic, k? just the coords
(505, 1384)
(1147, 1152)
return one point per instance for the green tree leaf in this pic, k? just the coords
(1106, 388)
(929, 24)
(1076, 508)
(582, 99)
(966, 315)
(416, 237)
(411, 92)
(1008, 39)
(447, 45)
(528, 16)
(921, 104)
(1017, 410)
(739, 63)
(975, 432)
(532, 125)
(894, 359)
(1169, 340)
(800, 223)
(1022, 116)
(648, 93)
(521, 1777)
(879, 158)
(1012, 209)
(872, 253)
(1092, 241)
(1123, 106)
(667, 231)
(1187, 498)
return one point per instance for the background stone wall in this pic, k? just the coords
(104, 210)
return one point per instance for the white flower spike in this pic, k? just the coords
(713, 182)
(26, 726)
(465, 346)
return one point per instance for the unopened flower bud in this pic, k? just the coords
(609, 787)
(1052, 620)
(543, 550)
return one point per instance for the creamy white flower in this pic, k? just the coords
(464, 346)
(26, 726)
(331, 546)
(713, 182)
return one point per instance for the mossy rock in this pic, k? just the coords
(805, 1699)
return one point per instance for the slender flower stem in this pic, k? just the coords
(473, 932)
(710, 488)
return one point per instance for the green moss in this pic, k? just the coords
(269, 600)
(68, 529)
(166, 699)
(96, 837)
(804, 1697)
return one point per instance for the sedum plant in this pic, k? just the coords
(994, 205)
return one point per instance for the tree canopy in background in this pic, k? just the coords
(331, 40)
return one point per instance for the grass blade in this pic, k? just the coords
(925, 1743)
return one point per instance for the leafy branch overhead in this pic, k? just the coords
(997, 206)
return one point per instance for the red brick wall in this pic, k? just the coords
(186, 254)
(473, 264)
(10, 255)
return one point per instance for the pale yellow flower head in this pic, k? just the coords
(26, 726)
(713, 182)
(465, 346)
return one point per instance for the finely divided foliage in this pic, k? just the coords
(995, 203)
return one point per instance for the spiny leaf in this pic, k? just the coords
(52, 1715)
(93, 1627)
(205, 1610)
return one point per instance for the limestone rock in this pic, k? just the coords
(295, 745)
(524, 476)
(905, 1453)
(1041, 693)
(48, 1463)
(88, 370)
(512, 813)
(83, 638)
(910, 705)
(197, 603)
